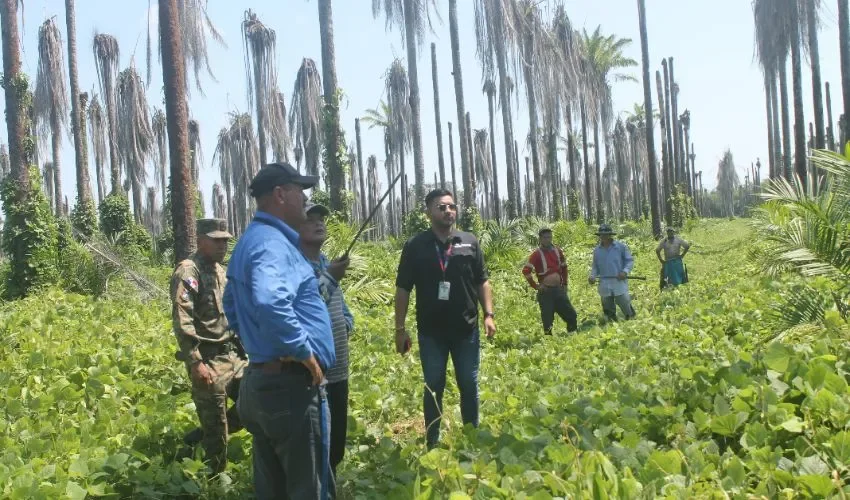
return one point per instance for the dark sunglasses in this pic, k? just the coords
(447, 206)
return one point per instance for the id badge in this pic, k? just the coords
(443, 291)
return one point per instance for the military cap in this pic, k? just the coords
(213, 228)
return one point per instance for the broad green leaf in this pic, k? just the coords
(840, 444)
(820, 486)
(728, 425)
(74, 491)
(668, 461)
(777, 357)
(793, 424)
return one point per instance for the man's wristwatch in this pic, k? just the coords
(489, 314)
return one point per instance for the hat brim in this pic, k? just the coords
(612, 233)
(305, 181)
(219, 235)
(321, 209)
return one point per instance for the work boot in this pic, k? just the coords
(193, 437)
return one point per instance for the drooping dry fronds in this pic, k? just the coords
(51, 97)
(305, 115)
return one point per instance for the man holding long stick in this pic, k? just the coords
(612, 263)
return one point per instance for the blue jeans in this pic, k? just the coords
(434, 354)
(288, 418)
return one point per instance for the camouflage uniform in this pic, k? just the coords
(197, 288)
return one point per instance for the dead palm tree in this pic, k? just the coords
(380, 117)
(260, 46)
(51, 97)
(84, 196)
(97, 129)
(567, 76)
(809, 25)
(457, 73)
(410, 17)
(792, 11)
(844, 50)
(135, 135)
(219, 202)
(305, 115)
(49, 186)
(484, 169)
(225, 172)
(332, 133)
(106, 56)
(159, 125)
(244, 164)
(441, 161)
(490, 91)
(197, 158)
(494, 33)
(280, 139)
(399, 120)
(727, 183)
(529, 45)
(650, 131)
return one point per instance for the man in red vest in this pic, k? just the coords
(550, 267)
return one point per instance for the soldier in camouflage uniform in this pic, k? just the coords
(213, 355)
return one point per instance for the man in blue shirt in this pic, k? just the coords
(272, 301)
(612, 263)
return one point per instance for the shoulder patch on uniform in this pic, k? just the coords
(191, 283)
(184, 295)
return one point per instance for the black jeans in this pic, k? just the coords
(555, 300)
(288, 418)
(338, 405)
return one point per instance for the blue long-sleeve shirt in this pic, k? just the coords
(609, 262)
(272, 296)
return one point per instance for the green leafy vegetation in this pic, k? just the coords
(691, 399)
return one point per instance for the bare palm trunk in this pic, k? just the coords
(844, 42)
(670, 146)
(364, 202)
(571, 156)
(174, 80)
(441, 162)
(465, 153)
(83, 183)
(817, 86)
(415, 110)
(786, 122)
(335, 172)
(830, 128)
(507, 119)
(650, 132)
(114, 158)
(452, 159)
(779, 162)
(677, 143)
(491, 98)
(600, 209)
(528, 69)
(557, 212)
(767, 107)
(666, 163)
(473, 183)
(800, 152)
(14, 112)
(517, 195)
(587, 184)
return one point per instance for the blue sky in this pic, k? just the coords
(711, 41)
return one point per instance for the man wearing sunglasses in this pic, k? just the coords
(446, 267)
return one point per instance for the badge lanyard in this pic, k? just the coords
(443, 258)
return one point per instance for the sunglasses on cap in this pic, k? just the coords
(447, 206)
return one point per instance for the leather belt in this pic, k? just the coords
(279, 366)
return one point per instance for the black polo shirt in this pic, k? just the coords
(420, 268)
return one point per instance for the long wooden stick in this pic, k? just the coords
(371, 215)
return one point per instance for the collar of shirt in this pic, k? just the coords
(278, 224)
(319, 265)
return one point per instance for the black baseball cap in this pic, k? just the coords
(279, 174)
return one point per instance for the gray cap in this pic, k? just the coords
(316, 208)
